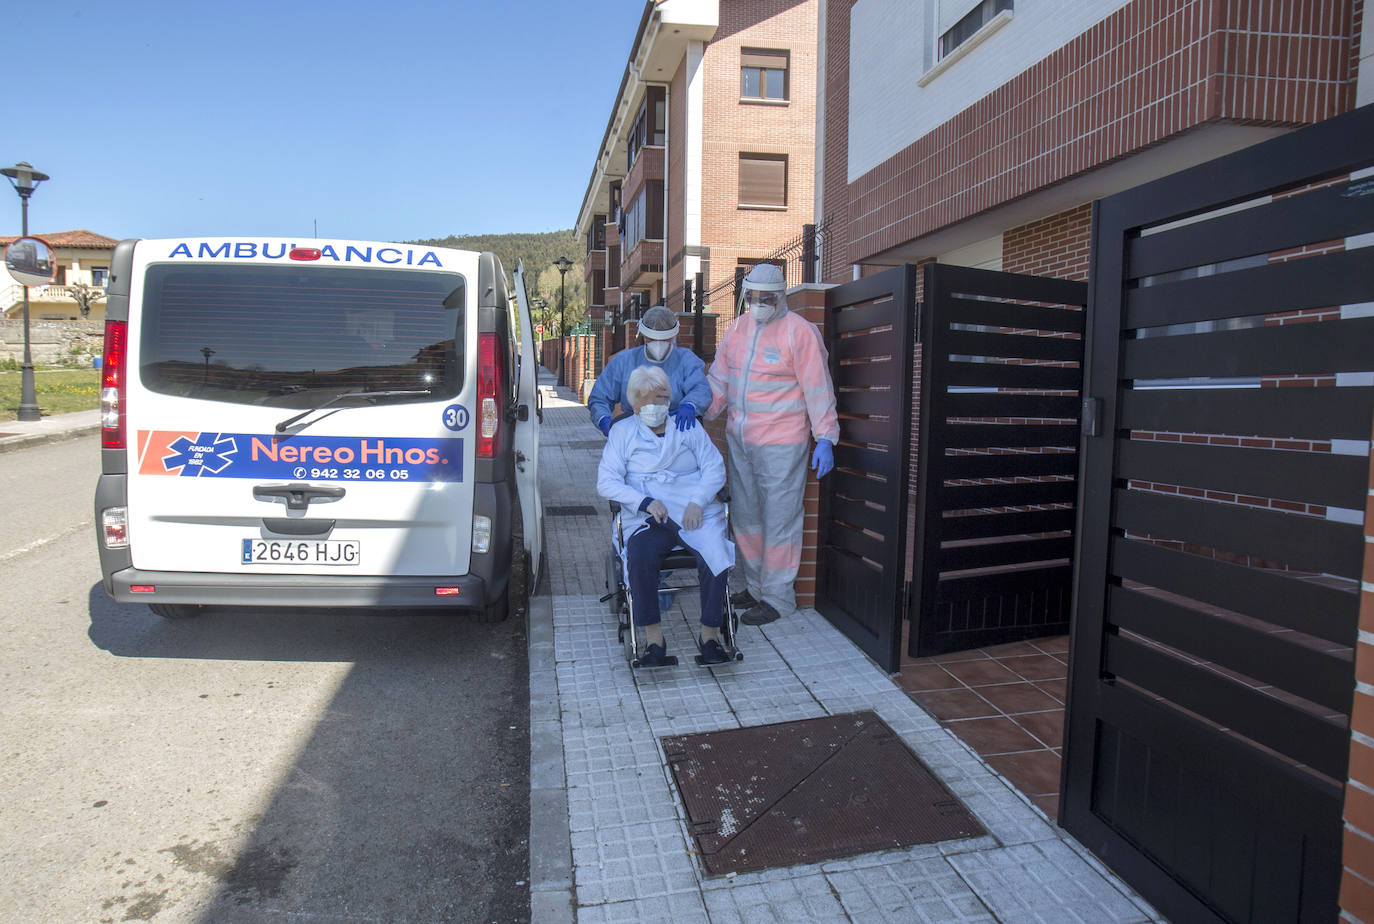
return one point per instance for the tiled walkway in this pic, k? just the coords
(609, 838)
(1007, 703)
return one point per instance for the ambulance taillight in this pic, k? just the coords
(112, 388)
(491, 395)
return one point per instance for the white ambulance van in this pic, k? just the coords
(317, 423)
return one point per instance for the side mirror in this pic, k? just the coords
(31, 261)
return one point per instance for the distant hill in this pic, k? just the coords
(538, 251)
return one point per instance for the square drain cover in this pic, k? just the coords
(803, 792)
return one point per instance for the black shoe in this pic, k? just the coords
(761, 614)
(742, 600)
(713, 652)
(655, 656)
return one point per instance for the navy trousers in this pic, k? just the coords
(646, 550)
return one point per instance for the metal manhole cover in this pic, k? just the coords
(808, 791)
(576, 510)
(585, 444)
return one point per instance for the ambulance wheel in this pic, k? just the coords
(175, 610)
(517, 595)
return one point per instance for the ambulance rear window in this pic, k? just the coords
(283, 336)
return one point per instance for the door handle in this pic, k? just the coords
(298, 496)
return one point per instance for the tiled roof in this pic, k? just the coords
(78, 238)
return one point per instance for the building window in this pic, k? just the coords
(958, 20)
(598, 287)
(763, 74)
(100, 276)
(644, 217)
(650, 125)
(763, 181)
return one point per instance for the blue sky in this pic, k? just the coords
(385, 121)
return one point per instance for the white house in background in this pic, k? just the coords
(82, 257)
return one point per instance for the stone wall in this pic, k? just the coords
(71, 343)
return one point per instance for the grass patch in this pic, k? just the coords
(59, 391)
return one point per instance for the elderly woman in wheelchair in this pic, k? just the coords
(665, 481)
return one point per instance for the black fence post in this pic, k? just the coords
(808, 254)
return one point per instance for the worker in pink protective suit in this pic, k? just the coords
(773, 373)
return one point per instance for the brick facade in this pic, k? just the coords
(1146, 74)
(1056, 246)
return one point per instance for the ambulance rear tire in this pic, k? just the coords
(175, 610)
(517, 595)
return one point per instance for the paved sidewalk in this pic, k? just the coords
(608, 839)
(15, 434)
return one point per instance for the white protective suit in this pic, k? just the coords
(679, 468)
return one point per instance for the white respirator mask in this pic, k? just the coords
(658, 350)
(653, 415)
(765, 306)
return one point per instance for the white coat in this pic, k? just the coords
(680, 467)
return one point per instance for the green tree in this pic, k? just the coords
(538, 251)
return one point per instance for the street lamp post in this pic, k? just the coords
(563, 264)
(25, 180)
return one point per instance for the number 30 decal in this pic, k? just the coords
(455, 417)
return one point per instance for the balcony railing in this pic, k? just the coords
(14, 294)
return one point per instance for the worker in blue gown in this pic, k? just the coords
(691, 392)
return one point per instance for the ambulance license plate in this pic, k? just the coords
(301, 551)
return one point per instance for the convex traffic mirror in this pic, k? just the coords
(31, 261)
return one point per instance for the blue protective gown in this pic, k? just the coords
(686, 374)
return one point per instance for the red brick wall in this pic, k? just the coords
(1055, 246)
(835, 134)
(1145, 74)
(731, 126)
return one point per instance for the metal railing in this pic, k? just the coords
(797, 257)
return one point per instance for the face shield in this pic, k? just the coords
(765, 305)
(658, 328)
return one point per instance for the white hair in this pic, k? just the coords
(644, 380)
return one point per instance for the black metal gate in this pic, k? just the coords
(861, 560)
(1219, 540)
(1001, 367)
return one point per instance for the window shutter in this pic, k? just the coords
(773, 59)
(763, 179)
(950, 12)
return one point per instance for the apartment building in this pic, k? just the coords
(977, 132)
(707, 162)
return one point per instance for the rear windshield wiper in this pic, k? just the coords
(282, 425)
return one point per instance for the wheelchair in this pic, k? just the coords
(621, 600)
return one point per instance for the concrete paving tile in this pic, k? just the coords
(673, 908)
(925, 890)
(1044, 882)
(638, 861)
(784, 901)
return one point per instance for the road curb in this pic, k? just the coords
(25, 440)
(551, 877)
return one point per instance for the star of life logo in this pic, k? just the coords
(208, 453)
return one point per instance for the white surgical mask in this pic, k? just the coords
(653, 415)
(765, 306)
(765, 313)
(658, 350)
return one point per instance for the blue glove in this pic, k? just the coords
(823, 459)
(604, 425)
(685, 415)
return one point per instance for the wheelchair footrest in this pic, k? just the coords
(668, 661)
(734, 653)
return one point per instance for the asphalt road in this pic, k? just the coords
(246, 765)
